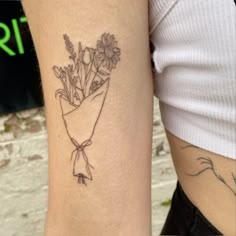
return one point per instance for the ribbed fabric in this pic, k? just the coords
(158, 11)
(195, 59)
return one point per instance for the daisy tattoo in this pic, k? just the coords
(85, 83)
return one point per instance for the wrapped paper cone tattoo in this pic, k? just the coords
(85, 84)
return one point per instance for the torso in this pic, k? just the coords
(212, 188)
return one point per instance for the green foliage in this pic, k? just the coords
(7, 128)
(166, 203)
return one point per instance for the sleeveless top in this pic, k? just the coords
(194, 57)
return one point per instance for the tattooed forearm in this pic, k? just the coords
(228, 178)
(85, 83)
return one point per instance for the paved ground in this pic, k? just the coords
(163, 174)
(23, 174)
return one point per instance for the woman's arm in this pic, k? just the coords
(100, 121)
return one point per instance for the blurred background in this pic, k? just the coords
(23, 136)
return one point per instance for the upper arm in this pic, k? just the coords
(113, 131)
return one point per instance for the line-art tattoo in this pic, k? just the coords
(228, 180)
(85, 82)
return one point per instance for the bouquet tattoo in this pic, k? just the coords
(85, 84)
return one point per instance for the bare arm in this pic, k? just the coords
(100, 121)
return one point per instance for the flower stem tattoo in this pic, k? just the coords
(85, 83)
(228, 179)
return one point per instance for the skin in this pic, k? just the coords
(121, 149)
(118, 200)
(207, 179)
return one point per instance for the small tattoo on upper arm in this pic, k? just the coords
(85, 83)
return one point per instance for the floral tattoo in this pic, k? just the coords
(85, 83)
(228, 178)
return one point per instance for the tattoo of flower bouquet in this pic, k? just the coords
(85, 84)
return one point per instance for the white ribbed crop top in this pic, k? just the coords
(195, 61)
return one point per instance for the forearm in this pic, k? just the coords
(116, 197)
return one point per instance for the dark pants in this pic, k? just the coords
(185, 219)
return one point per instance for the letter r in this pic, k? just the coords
(5, 39)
